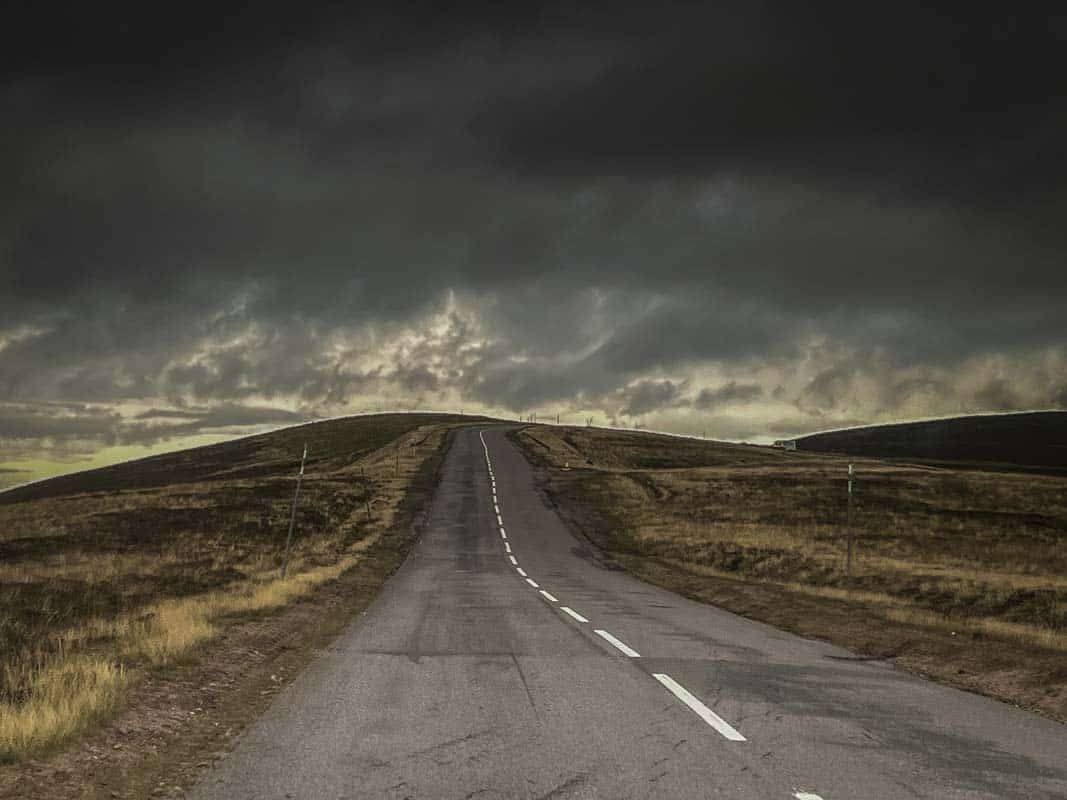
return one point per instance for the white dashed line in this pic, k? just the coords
(507, 547)
(549, 597)
(806, 796)
(503, 534)
(499, 520)
(521, 571)
(531, 582)
(496, 508)
(513, 561)
(625, 648)
(571, 612)
(702, 711)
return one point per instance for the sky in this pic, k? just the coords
(746, 219)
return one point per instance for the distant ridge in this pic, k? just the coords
(1034, 440)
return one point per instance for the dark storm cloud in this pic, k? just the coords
(732, 392)
(156, 425)
(223, 416)
(71, 429)
(645, 396)
(233, 208)
(946, 100)
(58, 422)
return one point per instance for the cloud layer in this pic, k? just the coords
(749, 219)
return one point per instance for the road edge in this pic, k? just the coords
(932, 655)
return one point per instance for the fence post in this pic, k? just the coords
(851, 536)
(292, 517)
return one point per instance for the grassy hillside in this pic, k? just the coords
(109, 573)
(941, 551)
(1035, 440)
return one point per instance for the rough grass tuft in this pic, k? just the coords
(62, 699)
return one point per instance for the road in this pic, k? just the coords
(511, 664)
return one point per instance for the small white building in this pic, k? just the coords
(786, 444)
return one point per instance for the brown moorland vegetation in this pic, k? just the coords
(109, 576)
(958, 573)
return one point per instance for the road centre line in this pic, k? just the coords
(507, 547)
(531, 582)
(702, 711)
(549, 597)
(618, 644)
(503, 534)
(513, 561)
(499, 520)
(806, 796)
(521, 572)
(571, 612)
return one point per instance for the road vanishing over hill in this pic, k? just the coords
(505, 661)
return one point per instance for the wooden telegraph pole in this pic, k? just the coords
(851, 534)
(292, 517)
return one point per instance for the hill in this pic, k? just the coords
(1034, 440)
(957, 572)
(108, 576)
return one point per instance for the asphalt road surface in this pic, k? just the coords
(502, 661)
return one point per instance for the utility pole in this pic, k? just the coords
(292, 517)
(363, 478)
(848, 560)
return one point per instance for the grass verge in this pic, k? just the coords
(107, 585)
(958, 574)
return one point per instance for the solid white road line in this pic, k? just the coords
(513, 561)
(521, 571)
(702, 711)
(507, 547)
(530, 581)
(573, 613)
(549, 597)
(625, 648)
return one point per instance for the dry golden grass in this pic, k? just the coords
(957, 550)
(63, 698)
(96, 587)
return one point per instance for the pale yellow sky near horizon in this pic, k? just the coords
(27, 470)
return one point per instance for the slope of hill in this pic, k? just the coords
(957, 572)
(1035, 440)
(109, 575)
